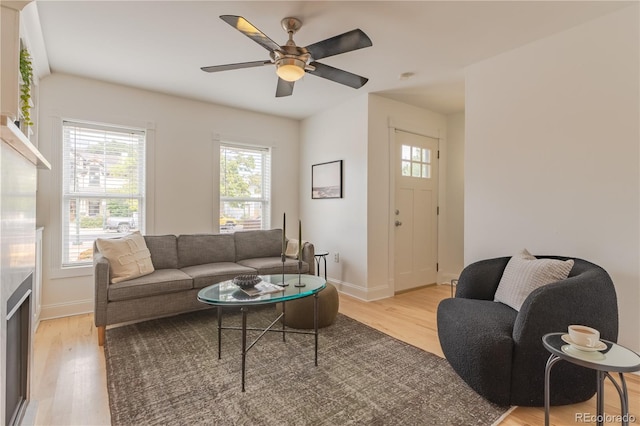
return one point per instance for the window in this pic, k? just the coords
(416, 162)
(245, 188)
(103, 186)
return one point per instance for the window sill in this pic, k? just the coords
(71, 272)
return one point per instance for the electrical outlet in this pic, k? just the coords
(336, 257)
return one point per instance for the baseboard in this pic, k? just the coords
(446, 277)
(60, 310)
(367, 294)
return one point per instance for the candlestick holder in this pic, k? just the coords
(299, 283)
(283, 258)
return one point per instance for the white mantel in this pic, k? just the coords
(13, 136)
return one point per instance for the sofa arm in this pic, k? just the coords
(308, 255)
(101, 283)
(588, 299)
(480, 280)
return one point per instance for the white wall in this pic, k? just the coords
(383, 114)
(338, 225)
(183, 166)
(452, 202)
(552, 153)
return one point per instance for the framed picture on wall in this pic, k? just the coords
(326, 180)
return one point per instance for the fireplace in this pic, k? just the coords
(18, 184)
(18, 342)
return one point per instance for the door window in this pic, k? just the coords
(416, 162)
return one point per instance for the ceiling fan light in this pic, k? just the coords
(290, 69)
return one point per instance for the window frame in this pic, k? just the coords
(64, 267)
(266, 180)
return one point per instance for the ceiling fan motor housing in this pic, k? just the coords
(290, 61)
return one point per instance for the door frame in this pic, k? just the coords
(392, 196)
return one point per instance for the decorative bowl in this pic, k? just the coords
(246, 281)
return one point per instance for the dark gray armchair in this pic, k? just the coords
(498, 351)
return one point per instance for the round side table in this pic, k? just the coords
(321, 254)
(615, 358)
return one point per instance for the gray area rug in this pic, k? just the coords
(166, 372)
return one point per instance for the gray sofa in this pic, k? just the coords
(183, 265)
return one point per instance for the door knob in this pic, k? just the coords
(398, 223)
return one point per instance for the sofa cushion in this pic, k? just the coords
(199, 249)
(213, 273)
(254, 244)
(524, 273)
(164, 251)
(159, 282)
(128, 256)
(273, 265)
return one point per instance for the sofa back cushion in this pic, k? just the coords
(199, 249)
(164, 250)
(254, 244)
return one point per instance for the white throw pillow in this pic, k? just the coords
(525, 273)
(128, 256)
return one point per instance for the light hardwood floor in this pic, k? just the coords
(70, 383)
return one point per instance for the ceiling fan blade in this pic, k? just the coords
(285, 88)
(246, 28)
(216, 68)
(352, 40)
(338, 75)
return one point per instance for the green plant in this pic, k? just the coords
(26, 71)
(90, 222)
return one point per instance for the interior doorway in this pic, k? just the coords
(415, 210)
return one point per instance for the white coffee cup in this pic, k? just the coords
(584, 336)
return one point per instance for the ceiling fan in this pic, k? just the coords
(291, 61)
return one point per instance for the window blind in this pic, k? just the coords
(103, 180)
(245, 187)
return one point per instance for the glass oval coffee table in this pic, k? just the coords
(276, 289)
(614, 358)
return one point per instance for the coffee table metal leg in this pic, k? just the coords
(219, 332)
(284, 317)
(244, 342)
(547, 394)
(315, 324)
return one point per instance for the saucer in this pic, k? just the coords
(599, 347)
(585, 355)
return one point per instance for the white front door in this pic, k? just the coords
(415, 211)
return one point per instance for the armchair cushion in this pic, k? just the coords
(524, 273)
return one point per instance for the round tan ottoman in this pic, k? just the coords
(299, 313)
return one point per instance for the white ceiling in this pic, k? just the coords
(161, 45)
